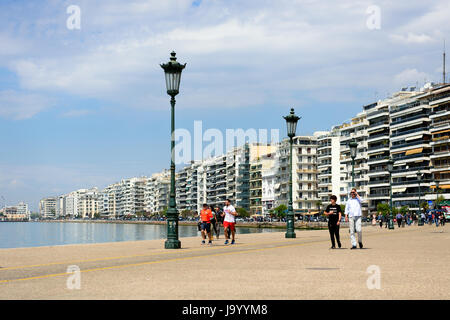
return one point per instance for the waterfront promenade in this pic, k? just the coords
(413, 264)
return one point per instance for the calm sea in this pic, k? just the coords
(36, 234)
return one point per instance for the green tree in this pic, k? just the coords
(185, 213)
(440, 199)
(424, 206)
(404, 209)
(280, 211)
(319, 205)
(342, 209)
(383, 208)
(242, 212)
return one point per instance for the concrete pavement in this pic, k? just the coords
(413, 263)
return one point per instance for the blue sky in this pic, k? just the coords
(84, 108)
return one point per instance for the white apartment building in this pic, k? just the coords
(124, 198)
(47, 207)
(328, 165)
(354, 130)
(304, 174)
(157, 192)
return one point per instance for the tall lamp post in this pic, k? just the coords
(353, 148)
(390, 167)
(291, 122)
(172, 70)
(419, 219)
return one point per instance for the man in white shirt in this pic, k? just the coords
(229, 221)
(353, 215)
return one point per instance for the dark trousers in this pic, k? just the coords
(334, 232)
(399, 222)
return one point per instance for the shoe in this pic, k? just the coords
(203, 241)
(333, 247)
(339, 245)
(353, 247)
(209, 242)
(232, 241)
(226, 241)
(360, 245)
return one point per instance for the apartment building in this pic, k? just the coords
(157, 192)
(378, 152)
(354, 130)
(123, 198)
(410, 146)
(89, 203)
(304, 174)
(47, 208)
(439, 102)
(328, 165)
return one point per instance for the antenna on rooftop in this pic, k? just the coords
(443, 69)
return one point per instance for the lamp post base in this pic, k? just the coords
(290, 235)
(172, 244)
(391, 224)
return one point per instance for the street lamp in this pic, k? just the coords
(291, 123)
(419, 219)
(390, 167)
(172, 70)
(353, 148)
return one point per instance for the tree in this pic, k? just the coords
(383, 208)
(242, 212)
(185, 213)
(280, 211)
(439, 200)
(424, 206)
(164, 212)
(96, 215)
(342, 208)
(319, 204)
(404, 210)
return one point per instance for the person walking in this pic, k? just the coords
(213, 220)
(353, 216)
(380, 220)
(219, 220)
(399, 219)
(229, 221)
(205, 218)
(334, 214)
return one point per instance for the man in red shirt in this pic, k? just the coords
(205, 218)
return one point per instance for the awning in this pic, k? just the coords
(398, 189)
(414, 137)
(444, 186)
(397, 152)
(277, 186)
(442, 131)
(413, 151)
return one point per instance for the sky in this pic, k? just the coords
(84, 107)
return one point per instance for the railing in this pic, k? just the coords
(407, 106)
(398, 146)
(411, 156)
(400, 133)
(381, 146)
(409, 119)
(399, 183)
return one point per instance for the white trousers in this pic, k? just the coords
(355, 226)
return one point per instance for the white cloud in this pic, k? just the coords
(76, 113)
(19, 106)
(411, 76)
(237, 53)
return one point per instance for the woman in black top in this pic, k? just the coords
(334, 213)
(218, 220)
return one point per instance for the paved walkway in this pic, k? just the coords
(413, 263)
